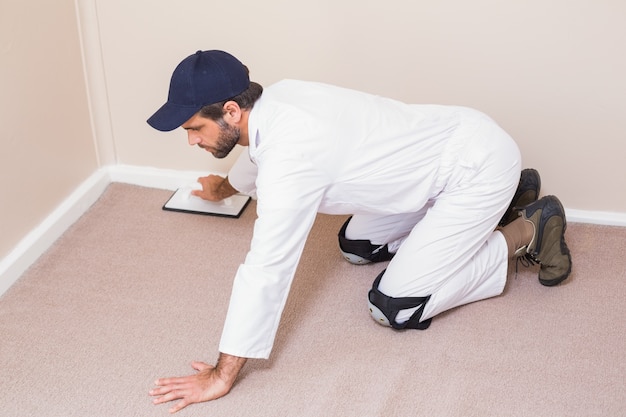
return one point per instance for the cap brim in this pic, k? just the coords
(171, 116)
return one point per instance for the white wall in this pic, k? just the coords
(551, 72)
(46, 142)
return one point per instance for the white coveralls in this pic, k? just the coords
(431, 181)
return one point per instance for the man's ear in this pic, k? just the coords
(232, 112)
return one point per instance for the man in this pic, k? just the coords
(426, 185)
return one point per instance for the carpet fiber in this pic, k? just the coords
(131, 293)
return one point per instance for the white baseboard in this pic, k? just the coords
(39, 240)
(43, 236)
(167, 179)
(595, 217)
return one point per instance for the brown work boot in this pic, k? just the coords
(547, 246)
(527, 192)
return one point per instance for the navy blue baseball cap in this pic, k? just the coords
(204, 78)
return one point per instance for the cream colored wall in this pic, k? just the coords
(46, 143)
(551, 72)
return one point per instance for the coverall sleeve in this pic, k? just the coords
(289, 195)
(242, 175)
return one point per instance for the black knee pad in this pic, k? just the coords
(361, 251)
(384, 309)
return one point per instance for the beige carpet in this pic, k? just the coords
(131, 293)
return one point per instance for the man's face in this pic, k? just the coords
(219, 137)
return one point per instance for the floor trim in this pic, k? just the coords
(39, 240)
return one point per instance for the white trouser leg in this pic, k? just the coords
(380, 230)
(453, 253)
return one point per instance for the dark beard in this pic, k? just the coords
(227, 139)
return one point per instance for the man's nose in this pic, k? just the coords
(192, 138)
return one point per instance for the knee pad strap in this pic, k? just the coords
(361, 248)
(389, 307)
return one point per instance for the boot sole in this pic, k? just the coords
(557, 281)
(559, 210)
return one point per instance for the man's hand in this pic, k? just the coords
(214, 188)
(210, 383)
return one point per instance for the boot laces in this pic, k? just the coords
(527, 260)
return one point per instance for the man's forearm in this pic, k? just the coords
(228, 367)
